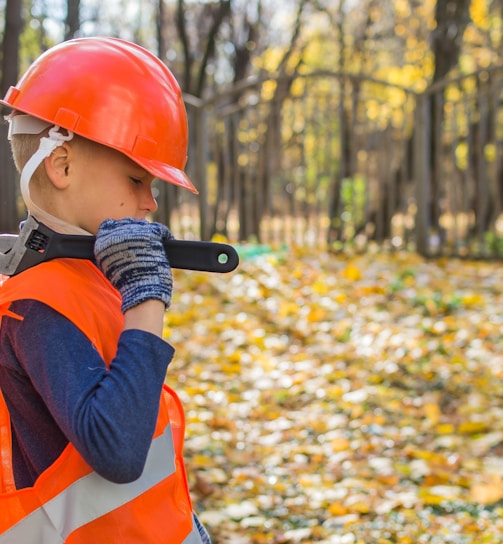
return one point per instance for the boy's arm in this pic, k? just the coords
(147, 316)
(108, 415)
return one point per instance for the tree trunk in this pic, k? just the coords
(9, 215)
(72, 23)
(452, 17)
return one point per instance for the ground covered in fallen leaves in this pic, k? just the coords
(343, 400)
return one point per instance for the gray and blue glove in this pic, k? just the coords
(131, 255)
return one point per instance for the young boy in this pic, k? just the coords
(90, 438)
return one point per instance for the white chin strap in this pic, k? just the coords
(26, 124)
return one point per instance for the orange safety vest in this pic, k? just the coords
(69, 502)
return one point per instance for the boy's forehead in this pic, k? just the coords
(95, 149)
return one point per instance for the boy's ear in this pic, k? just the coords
(57, 166)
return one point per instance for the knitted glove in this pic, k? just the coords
(130, 253)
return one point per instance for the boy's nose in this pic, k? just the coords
(148, 201)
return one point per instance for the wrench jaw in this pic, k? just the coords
(37, 243)
(15, 253)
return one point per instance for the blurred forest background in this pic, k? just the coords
(339, 122)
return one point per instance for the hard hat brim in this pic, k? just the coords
(167, 173)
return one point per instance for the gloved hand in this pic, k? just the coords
(130, 253)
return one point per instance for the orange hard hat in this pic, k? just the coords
(112, 92)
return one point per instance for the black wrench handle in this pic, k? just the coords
(182, 254)
(37, 243)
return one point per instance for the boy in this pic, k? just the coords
(90, 438)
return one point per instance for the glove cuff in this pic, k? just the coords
(135, 294)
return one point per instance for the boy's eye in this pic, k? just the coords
(136, 181)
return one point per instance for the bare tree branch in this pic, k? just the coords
(184, 39)
(223, 10)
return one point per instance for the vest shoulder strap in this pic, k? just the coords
(76, 289)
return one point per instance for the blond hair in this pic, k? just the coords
(24, 146)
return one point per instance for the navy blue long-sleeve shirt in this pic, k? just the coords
(58, 389)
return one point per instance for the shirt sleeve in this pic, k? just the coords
(108, 415)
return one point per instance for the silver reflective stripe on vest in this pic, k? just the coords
(90, 498)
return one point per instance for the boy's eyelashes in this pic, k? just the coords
(136, 181)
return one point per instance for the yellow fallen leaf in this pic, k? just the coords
(487, 491)
(340, 298)
(432, 412)
(472, 427)
(352, 272)
(221, 238)
(360, 507)
(340, 443)
(320, 288)
(337, 509)
(471, 299)
(445, 428)
(202, 460)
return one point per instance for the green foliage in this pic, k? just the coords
(353, 204)
(494, 242)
